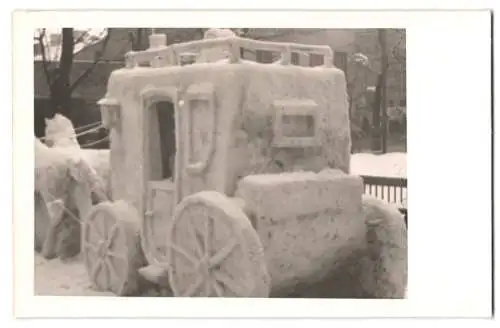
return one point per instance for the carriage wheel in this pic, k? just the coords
(214, 251)
(111, 248)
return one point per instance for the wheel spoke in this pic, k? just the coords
(223, 253)
(208, 236)
(113, 275)
(186, 255)
(194, 287)
(208, 287)
(95, 270)
(194, 235)
(111, 235)
(228, 282)
(91, 247)
(117, 255)
(102, 227)
(218, 289)
(95, 230)
(105, 271)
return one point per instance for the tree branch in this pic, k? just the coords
(67, 51)
(351, 91)
(45, 65)
(81, 37)
(394, 51)
(97, 59)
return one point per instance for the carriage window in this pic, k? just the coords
(296, 123)
(298, 126)
(162, 144)
(201, 126)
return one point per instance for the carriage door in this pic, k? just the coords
(159, 160)
(198, 128)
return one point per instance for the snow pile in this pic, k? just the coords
(384, 269)
(63, 278)
(386, 165)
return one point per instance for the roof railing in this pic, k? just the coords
(160, 55)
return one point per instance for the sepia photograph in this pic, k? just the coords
(252, 164)
(220, 162)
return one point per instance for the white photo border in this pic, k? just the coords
(449, 166)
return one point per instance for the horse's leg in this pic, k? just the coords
(82, 198)
(56, 211)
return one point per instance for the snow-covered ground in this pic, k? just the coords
(55, 277)
(70, 278)
(388, 165)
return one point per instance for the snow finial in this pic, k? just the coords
(157, 40)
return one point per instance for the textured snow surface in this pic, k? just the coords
(54, 277)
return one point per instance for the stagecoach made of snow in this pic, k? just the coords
(229, 177)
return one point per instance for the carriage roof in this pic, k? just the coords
(168, 61)
(239, 96)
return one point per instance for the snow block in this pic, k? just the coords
(378, 269)
(307, 222)
(281, 196)
(384, 271)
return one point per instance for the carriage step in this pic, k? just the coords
(155, 274)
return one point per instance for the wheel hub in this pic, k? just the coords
(203, 267)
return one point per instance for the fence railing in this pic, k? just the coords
(389, 189)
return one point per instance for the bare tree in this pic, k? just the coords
(383, 86)
(357, 78)
(385, 57)
(139, 39)
(58, 71)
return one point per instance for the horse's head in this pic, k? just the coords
(59, 131)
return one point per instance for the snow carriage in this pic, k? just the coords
(230, 178)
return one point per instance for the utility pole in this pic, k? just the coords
(382, 37)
